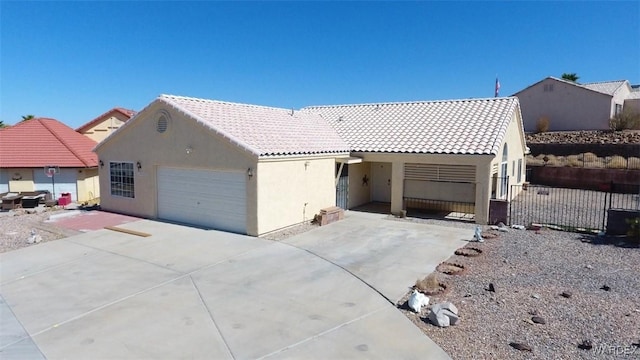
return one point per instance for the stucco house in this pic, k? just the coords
(253, 169)
(569, 105)
(102, 126)
(29, 146)
(450, 155)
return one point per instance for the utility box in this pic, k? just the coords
(618, 221)
(498, 211)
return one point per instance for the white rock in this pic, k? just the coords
(518, 227)
(417, 300)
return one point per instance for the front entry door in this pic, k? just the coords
(381, 182)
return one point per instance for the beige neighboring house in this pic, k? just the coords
(572, 106)
(102, 126)
(253, 170)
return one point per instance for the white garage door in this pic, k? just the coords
(65, 182)
(213, 199)
(4, 181)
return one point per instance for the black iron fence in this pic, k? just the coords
(570, 209)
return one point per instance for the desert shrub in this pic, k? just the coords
(616, 162)
(429, 283)
(542, 125)
(574, 161)
(633, 163)
(530, 160)
(588, 157)
(626, 120)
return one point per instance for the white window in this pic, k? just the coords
(519, 171)
(121, 179)
(504, 182)
(618, 109)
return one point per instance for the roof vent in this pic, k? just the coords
(162, 124)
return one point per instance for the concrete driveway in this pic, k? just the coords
(192, 293)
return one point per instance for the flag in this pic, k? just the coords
(497, 87)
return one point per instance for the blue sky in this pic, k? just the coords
(75, 60)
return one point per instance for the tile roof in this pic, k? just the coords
(474, 126)
(126, 112)
(263, 131)
(605, 87)
(41, 141)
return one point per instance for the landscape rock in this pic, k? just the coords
(417, 300)
(605, 287)
(538, 320)
(444, 314)
(585, 345)
(520, 346)
(491, 288)
(34, 238)
(566, 294)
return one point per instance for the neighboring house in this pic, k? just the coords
(253, 169)
(29, 146)
(102, 126)
(572, 106)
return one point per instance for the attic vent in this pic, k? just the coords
(161, 125)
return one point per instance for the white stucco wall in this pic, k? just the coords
(293, 191)
(567, 107)
(514, 154)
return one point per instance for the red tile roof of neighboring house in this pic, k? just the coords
(126, 112)
(41, 141)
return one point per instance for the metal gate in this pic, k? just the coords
(570, 209)
(342, 186)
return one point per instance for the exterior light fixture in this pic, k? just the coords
(250, 173)
(101, 164)
(139, 166)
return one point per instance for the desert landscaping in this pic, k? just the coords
(544, 294)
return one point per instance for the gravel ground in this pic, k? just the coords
(290, 231)
(529, 270)
(16, 227)
(585, 137)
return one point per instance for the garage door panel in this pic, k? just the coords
(215, 199)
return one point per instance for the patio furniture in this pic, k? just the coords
(31, 201)
(11, 201)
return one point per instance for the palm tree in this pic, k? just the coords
(27, 117)
(570, 77)
(2, 124)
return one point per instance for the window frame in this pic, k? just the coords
(122, 184)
